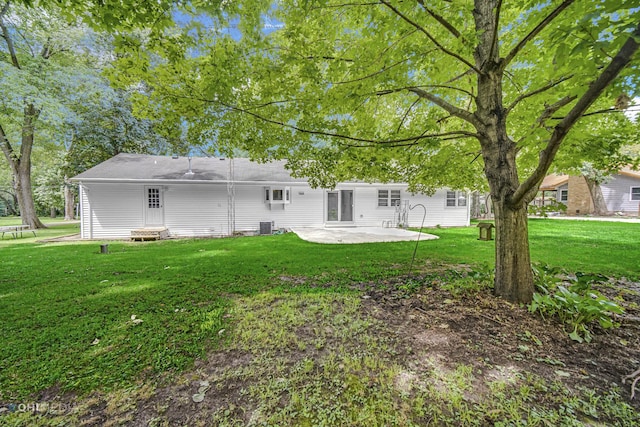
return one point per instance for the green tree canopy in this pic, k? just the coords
(432, 93)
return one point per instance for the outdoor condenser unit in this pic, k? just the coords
(265, 228)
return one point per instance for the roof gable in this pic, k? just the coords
(627, 171)
(552, 182)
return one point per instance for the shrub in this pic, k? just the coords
(553, 207)
(576, 305)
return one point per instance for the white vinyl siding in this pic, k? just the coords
(196, 210)
(305, 207)
(618, 194)
(113, 210)
(437, 212)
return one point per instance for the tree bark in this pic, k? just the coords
(513, 274)
(22, 186)
(20, 166)
(69, 201)
(599, 205)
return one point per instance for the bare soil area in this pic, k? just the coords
(427, 328)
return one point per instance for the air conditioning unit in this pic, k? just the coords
(265, 228)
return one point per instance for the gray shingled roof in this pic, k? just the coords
(141, 167)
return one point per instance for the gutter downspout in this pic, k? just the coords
(81, 197)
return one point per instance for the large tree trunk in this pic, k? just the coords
(22, 185)
(599, 205)
(69, 201)
(20, 166)
(513, 274)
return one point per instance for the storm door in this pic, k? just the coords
(154, 209)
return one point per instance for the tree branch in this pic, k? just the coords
(267, 104)
(451, 109)
(544, 88)
(371, 142)
(388, 91)
(46, 51)
(458, 77)
(7, 37)
(31, 114)
(527, 189)
(453, 30)
(534, 32)
(382, 70)
(494, 41)
(336, 6)
(8, 151)
(430, 37)
(406, 114)
(328, 58)
(549, 110)
(593, 113)
(447, 136)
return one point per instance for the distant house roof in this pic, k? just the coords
(141, 167)
(552, 182)
(627, 171)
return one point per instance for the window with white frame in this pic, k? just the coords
(389, 198)
(277, 195)
(462, 198)
(635, 193)
(564, 195)
(456, 198)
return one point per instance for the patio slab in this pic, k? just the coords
(351, 235)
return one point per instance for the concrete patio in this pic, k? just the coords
(350, 235)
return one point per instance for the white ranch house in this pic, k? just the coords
(219, 197)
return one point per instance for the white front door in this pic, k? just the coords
(340, 206)
(154, 212)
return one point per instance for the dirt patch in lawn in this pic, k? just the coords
(407, 340)
(495, 336)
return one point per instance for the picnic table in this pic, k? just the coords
(16, 230)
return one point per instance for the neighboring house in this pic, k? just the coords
(621, 193)
(218, 197)
(553, 188)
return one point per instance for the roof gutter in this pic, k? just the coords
(202, 181)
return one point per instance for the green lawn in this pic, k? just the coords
(55, 227)
(588, 246)
(66, 311)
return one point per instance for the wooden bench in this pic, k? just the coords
(16, 230)
(144, 234)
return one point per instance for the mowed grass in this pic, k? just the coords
(67, 311)
(56, 300)
(609, 248)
